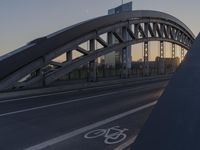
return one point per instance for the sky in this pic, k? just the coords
(24, 20)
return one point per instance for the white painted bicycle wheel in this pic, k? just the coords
(111, 140)
(95, 133)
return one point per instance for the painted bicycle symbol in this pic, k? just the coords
(112, 135)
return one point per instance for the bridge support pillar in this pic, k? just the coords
(125, 53)
(92, 64)
(146, 59)
(161, 62)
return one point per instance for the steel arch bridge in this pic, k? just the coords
(136, 27)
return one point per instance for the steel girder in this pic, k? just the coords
(140, 26)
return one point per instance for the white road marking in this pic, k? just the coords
(112, 135)
(70, 101)
(87, 128)
(126, 144)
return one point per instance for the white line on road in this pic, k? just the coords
(87, 128)
(70, 101)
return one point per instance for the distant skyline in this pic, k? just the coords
(25, 20)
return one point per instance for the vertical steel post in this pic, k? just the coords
(69, 56)
(182, 53)
(110, 38)
(162, 54)
(173, 57)
(161, 65)
(37, 73)
(173, 50)
(69, 59)
(124, 55)
(92, 64)
(146, 58)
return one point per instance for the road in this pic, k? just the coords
(59, 121)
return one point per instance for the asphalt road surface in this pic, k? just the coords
(88, 119)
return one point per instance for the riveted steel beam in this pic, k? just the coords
(118, 37)
(102, 42)
(82, 50)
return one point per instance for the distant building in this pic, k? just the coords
(159, 66)
(166, 65)
(114, 59)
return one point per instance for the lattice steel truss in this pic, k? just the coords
(134, 30)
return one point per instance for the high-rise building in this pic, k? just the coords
(120, 9)
(114, 59)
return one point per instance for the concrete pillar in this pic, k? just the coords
(146, 59)
(161, 65)
(92, 64)
(124, 69)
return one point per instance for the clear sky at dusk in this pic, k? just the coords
(24, 20)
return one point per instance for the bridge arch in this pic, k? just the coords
(136, 27)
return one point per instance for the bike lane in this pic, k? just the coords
(108, 136)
